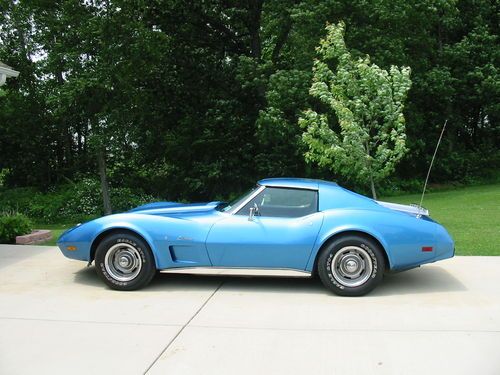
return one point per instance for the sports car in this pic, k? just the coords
(297, 226)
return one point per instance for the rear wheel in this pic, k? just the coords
(351, 265)
(124, 262)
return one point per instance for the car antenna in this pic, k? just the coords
(430, 166)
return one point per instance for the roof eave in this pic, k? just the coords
(8, 72)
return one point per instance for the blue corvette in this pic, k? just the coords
(306, 227)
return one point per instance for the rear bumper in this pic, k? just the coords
(445, 247)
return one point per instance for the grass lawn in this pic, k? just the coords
(471, 215)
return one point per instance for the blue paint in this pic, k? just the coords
(194, 235)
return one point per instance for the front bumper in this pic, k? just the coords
(73, 244)
(81, 250)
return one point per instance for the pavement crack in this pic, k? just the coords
(87, 321)
(357, 330)
(183, 327)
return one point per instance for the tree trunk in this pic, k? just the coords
(369, 166)
(255, 11)
(101, 160)
(282, 38)
(372, 185)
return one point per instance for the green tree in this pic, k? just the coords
(196, 100)
(368, 103)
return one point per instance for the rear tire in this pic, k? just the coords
(351, 265)
(125, 262)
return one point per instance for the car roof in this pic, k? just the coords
(299, 183)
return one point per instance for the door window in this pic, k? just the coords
(283, 202)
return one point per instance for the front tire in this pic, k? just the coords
(351, 265)
(124, 262)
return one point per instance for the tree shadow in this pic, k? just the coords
(428, 279)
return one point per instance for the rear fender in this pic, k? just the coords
(326, 235)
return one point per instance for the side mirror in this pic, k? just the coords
(251, 214)
(253, 211)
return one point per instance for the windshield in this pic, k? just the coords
(238, 201)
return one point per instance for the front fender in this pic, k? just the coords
(139, 230)
(175, 242)
(77, 242)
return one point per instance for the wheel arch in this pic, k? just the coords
(114, 230)
(354, 232)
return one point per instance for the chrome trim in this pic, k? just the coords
(229, 271)
(123, 262)
(293, 187)
(180, 209)
(351, 266)
(257, 191)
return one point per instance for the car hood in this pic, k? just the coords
(174, 208)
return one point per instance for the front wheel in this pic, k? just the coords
(351, 265)
(124, 262)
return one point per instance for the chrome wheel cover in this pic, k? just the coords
(351, 266)
(123, 262)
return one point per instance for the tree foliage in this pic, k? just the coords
(197, 100)
(368, 103)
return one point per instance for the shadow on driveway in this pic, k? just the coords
(428, 279)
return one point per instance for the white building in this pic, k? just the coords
(6, 71)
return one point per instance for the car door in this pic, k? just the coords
(280, 234)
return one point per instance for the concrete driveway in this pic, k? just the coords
(56, 317)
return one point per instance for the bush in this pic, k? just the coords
(17, 199)
(12, 225)
(84, 199)
(75, 202)
(398, 186)
(81, 199)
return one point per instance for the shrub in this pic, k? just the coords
(84, 199)
(75, 202)
(17, 199)
(397, 186)
(124, 199)
(81, 199)
(12, 225)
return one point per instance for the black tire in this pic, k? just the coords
(124, 262)
(358, 265)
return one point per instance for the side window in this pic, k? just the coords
(283, 202)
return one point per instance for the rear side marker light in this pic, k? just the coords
(426, 249)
